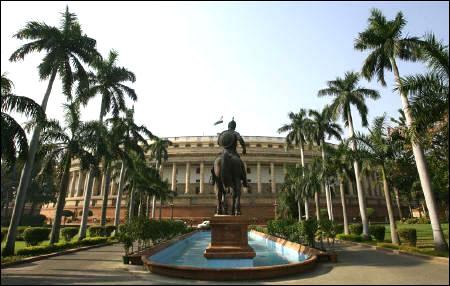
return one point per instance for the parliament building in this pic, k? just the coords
(188, 171)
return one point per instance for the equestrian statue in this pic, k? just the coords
(229, 171)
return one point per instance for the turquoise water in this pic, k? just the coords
(189, 252)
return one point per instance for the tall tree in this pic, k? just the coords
(298, 132)
(322, 126)
(62, 144)
(386, 43)
(158, 149)
(66, 49)
(347, 92)
(14, 141)
(377, 150)
(108, 81)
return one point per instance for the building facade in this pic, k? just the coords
(188, 171)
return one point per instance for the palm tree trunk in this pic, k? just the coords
(148, 207)
(344, 207)
(123, 170)
(299, 206)
(153, 206)
(131, 207)
(316, 198)
(359, 189)
(54, 235)
(306, 209)
(387, 195)
(25, 178)
(87, 201)
(397, 198)
(439, 240)
(141, 206)
(107, 174)
(325, 185)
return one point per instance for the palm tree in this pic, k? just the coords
(377, 150)
(341, 164)
(292, 184)
(429, 91)
(346, 92)
(323, 126)
(385, 41)
(62, 144)
(14, 141)
(297, 135)
(312, 181)
(109, 83)
(159, 152)
(65, 47)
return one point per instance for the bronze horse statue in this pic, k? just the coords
(228, 171)
(227, 174)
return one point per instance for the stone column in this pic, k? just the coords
(272, 178)
(188, 177)
(80, 183)
(258, 176)
(202, 177)
(174, 176)
(284, 169)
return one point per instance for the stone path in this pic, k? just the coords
(357, 265)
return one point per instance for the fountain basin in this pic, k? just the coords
(184, 258)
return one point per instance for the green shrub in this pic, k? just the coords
(4, 232)
(378, 231)
(35, 235)
(411, 221)
(409, 235)
(388, 245)
(109, 229)
(257, 228)
(39, 250)
(96, 231)
(33, 220)
(339, 228)
(308, 229)
(355, 228)
(350, 237)
(423, 220)
(281, 228)
(69, 232)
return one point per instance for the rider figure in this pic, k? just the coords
(232, 149)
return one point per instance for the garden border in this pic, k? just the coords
(54, 254)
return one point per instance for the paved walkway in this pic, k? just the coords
(357, 265)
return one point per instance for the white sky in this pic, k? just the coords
(197, 61)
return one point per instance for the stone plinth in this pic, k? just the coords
(229, 238)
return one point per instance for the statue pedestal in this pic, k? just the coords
(229, 238)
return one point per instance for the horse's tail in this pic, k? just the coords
(225, 173)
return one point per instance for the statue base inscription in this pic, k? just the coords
(229, 238)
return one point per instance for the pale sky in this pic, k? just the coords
(195, 62)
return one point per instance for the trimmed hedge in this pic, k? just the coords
(35, 235)
(100, 231)
(39, 250)
(339, 228)
(409, 235)
(378, 232)
(353, 237)
(69, 232)
(355, 228)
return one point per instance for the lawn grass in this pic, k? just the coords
(425, 243)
